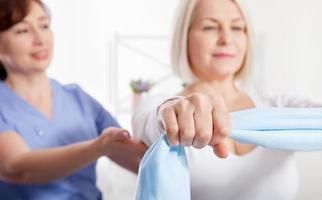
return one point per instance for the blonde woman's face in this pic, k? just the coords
(217, 40)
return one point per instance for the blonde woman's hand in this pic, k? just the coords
(197, 120)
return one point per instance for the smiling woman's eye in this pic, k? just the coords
(21, 31)
(45, 26)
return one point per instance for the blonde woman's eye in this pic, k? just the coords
(238, 28)
(209, 28)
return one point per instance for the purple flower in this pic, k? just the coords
(140, 86)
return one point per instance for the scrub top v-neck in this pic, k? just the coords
(76, 117)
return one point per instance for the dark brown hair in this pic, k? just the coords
(11, 13)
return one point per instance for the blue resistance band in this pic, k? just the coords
(164, 170)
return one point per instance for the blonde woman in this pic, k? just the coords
(211, 53)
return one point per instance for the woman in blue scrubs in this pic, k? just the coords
(50, 134)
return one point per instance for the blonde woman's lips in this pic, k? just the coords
(222, 55)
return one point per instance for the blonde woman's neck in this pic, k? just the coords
(227, 89)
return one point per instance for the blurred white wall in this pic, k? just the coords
(290, 33)
(288, 59)
(85, 31)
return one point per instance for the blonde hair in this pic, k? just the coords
(179, 50)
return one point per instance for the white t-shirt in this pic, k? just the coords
(262, 174)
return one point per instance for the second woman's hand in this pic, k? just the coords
(115, 140)
(117, 144)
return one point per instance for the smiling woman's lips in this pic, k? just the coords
(40, 55)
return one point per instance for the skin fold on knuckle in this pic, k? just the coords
(202, 137)
(221, 124)
(197, 100)
(183, 107)
(172, 130)
(186, 137)
(166, 112)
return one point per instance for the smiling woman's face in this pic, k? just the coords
(27, 46)
(217, 40)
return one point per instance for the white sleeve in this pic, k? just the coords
(290, 100)
(144, 119)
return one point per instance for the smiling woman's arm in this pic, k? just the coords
(20, 164)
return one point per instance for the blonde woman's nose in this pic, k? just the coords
(225, 37)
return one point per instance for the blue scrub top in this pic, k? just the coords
(76, 117)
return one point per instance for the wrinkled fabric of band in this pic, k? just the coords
(164, 173)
